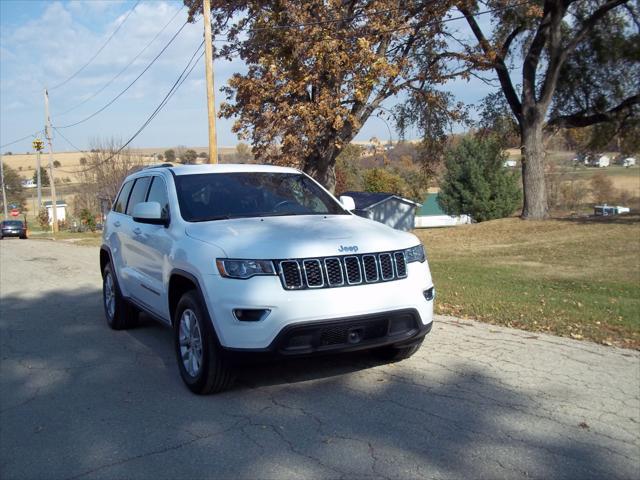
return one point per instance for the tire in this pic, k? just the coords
(119, 313)
(23, 237)
(396, 354)
(202, 367)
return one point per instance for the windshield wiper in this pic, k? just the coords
(211, 219)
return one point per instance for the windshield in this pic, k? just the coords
(217, 196)
(12, 223)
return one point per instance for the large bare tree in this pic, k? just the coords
(560, 64)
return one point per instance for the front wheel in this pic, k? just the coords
(396, 354)
(202, 368)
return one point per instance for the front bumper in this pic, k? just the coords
(300, 308)
(399, 328)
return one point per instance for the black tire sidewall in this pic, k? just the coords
(191, 300)
(110, 320)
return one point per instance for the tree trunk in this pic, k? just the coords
(533, 157)
(322, 168)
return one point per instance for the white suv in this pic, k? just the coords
(253, 258)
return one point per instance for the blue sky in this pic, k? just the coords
(43, 42)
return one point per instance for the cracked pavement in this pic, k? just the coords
(78, 400)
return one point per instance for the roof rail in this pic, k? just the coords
(158, 165)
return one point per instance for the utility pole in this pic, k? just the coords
(4, 192)
(38, 146)
(52, 180)
(208, 64)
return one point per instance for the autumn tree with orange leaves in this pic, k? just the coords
(317, 70)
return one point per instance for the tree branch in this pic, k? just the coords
(509, 40)
(580, 119)
(500, 67)
(560, 53)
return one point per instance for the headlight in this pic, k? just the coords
(415, 254)
(244, 268)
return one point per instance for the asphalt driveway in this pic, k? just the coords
(78, 400)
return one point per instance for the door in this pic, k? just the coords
(130, 274)
(151, 245)
(116, 230)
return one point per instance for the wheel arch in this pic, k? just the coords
(105, 257)
(181, 282)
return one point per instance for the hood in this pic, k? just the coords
(299, 236)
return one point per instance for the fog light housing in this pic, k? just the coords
(251, 314)
(429, 294)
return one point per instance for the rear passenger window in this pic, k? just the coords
(158, 193)
(138, 194)
(121, 202)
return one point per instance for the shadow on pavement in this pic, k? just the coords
(81, 400)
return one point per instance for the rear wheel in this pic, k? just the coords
(396, 354)
(202, 368)
(120, 314)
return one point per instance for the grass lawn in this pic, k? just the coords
(573, 277)
(88, 239)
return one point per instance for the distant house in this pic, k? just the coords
(61, 210)
(431, 215)
(392, 210)
(600, 161)
(28, 183)
(627, 161)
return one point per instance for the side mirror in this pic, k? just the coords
(347, 202)
(148, 212)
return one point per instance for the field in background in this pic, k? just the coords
(70, 161)
(577, 278)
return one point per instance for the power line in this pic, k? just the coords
(108, 104)
(125, 67)
(99, 50)
(69, 142)
(176, 85)
(31, 135)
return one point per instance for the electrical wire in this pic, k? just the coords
(174, 88)
(69, 142)
(31, 135)
(125, 67)
(108, 104)
(99, 50)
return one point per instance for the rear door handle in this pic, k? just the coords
(137, 231)
(116, 223)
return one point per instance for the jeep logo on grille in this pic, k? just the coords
(348, 248)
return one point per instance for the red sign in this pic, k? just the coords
(15, 212)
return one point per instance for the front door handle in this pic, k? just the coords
(137, 231)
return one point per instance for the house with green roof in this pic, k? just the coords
(430, 214)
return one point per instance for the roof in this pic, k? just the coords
(59, 203)
(364, 200)
(430, 206)
(229, 168)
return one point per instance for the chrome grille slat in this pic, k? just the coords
(342, 271)
(400, 262)
(353, 270)
(386, 266)
(313, 273)
(333, 267)
(369, 261)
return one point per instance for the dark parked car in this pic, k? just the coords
(13, 228)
